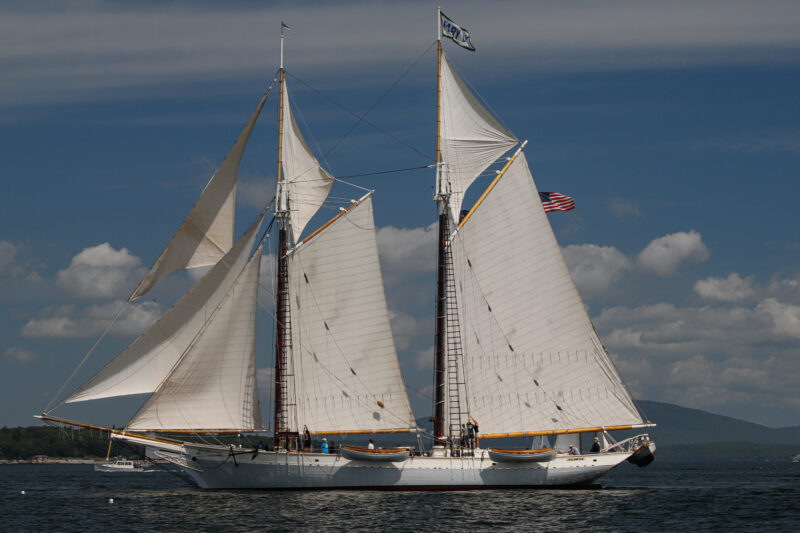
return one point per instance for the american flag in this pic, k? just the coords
(553, 201)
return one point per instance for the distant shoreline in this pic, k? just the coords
(4, 462)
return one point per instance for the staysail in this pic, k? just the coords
(207, 232)
(143, 366)
(471, 138)
(531, 357)
(347, 376)
(213, 386)
(307, 183)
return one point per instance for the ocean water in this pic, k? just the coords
(665, 496)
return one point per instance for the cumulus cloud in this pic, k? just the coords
(594, 268)
(664, 255)
(70, 321)
(728, 289)
(101, 272)
(15, 353)
(784, 317)
(406, 251)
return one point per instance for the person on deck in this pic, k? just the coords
(306, 439)
(325, 446)
(595, 446)
(470, 434)
(463, 436)
(371, 444)
(573, 450)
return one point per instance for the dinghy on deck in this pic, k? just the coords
(542, 455)
(392, 455)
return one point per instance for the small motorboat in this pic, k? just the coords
(390, 455)
(123, 465)
(541, 455)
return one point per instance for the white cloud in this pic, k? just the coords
(664, 255)
(69, 321)
(8, 254)
(785, 317)
(406, 252)
(728, 289)
(101, 272)
(623, 208)
(594, 268)
(15, 353)
(408, 331)
(63, 52)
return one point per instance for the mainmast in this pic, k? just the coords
(282, 323)
(441, 271)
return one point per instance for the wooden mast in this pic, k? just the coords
(441, 270)
(281, 294)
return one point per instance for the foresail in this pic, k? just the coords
(471, 138)
(306, 181)
(144, 365)
(207, 232)
(532, 359)
(346, 373)
(213, 386)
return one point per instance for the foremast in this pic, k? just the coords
(282, 308)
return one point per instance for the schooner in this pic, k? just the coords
(515, 348)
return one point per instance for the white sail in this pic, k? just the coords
(532, 359)
(343, 352)
(144, 365)
(470, 138)
(307, 183)
(207, 232)
(213, 386)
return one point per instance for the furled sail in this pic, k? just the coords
(531, 357)
(345, 365)
(470, 138)
(213, 386)
(144, 365)
(207, 232)
(307, 183)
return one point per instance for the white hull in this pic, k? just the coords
(215, 468)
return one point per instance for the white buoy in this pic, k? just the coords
(22, 492)
(111, 500)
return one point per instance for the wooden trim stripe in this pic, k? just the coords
(334, 219)
(563, 431)
(366, 431)
(491, 185)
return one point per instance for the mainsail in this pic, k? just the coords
(531, 357)
(470, 138)
(346, 372)
(207, 232)
(145, 364)
(307, 183)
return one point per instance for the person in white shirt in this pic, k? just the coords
(371, 444)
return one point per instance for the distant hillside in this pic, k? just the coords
(681, 425)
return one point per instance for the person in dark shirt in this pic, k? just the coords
(595, 446)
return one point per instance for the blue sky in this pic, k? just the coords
(674, 126)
